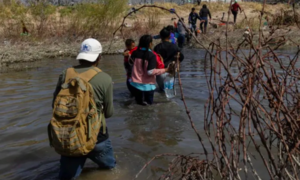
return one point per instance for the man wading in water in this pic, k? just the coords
(82, 100)
(168, 51)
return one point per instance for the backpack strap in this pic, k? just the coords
(71, 73)
(89, 74)
(50, 135)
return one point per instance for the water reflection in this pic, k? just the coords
(137, 133)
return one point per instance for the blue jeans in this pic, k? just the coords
(102, 154)
(194, 29)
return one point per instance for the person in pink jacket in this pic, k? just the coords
(144, 71)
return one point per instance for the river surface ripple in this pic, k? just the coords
(137, 133)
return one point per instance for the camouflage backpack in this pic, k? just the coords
(75, 123)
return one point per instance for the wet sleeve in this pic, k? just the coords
(108, 101)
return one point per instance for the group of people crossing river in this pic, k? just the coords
(145, 65)
(83, 98)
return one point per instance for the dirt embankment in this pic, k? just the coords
(150, 22)
(23, 52)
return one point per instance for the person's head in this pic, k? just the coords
(170, 28)
(165, 34)
(204, 6)
(90, 52)
(235, 1)
(145, 42)
(193, 10)
(181, 19)
(130, 44)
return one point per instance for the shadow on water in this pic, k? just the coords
(137, 133)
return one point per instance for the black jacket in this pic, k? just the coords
(193, 18)
(168, 51)
(204, 12)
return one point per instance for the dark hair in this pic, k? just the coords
(128, 42)
(204, 6)
(88, 63)
(145, 42)
(170, 28)
(193, 9)
(164, 33)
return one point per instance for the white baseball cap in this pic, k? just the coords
(90, 50)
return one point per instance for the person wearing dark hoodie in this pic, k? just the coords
(168, 52)
(193, 21)
(204, 13)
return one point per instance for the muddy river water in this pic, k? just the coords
(137, 133)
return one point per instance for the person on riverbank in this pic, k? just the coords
(198, 2)
(144, 71)
(204, 13)
(235, 7)
(168, 51)
(193, 21)
(181, 33)
(130, 47)
(102, 86)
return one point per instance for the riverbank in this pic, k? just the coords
(32, 48)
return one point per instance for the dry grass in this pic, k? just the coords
(47, 21)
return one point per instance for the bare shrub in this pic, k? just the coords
(253, 103)
(286, 18)
(44, 20)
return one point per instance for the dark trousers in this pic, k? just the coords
(180, 40)
(203, 23)
(234, 15)
(194, 29)
(160, 83)
(143, 96)
(130, 88)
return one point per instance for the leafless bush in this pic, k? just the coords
(255, 105)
